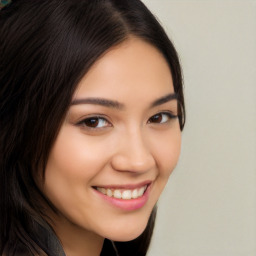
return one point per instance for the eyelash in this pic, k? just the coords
(169, 116)
(96, 120)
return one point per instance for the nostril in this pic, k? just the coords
(133, 153)
(129, 164)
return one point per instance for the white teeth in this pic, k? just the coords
(135, 193)
(117, 193)
(124, 194)
(109, 192)
(141, 191)
(102, 190)
(127, 194)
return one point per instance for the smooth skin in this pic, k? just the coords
(129, 137)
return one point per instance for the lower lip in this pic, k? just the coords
(126, 204)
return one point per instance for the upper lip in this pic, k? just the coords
(126, 186)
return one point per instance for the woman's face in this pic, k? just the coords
(118, 145)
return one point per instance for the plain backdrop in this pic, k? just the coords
(209, 205)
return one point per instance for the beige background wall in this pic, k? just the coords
(209, 205)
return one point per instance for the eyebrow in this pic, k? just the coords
(99, 101)
(120, 106)
(164, 99)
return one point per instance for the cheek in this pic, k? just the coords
(74, 157)
(70, 168)
(167, 150)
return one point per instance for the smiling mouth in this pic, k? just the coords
(126, 194)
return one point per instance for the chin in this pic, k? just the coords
(128, 232)
(126, 236)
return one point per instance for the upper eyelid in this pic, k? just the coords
(100, 116)
(167, 112)
(81, 122)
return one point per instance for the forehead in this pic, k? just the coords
(132, 68)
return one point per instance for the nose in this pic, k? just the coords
(133, 153)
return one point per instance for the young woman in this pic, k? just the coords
(91, 110)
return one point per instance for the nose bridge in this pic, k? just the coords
(134, 152)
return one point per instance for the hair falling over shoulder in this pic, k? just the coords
(46, 47)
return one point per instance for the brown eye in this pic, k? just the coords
(95, 122)
(161, 118)
(156, 118)
(92, 122)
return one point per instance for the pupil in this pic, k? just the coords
(157, 118)
(92, 122)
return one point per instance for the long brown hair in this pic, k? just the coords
(46, 47)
